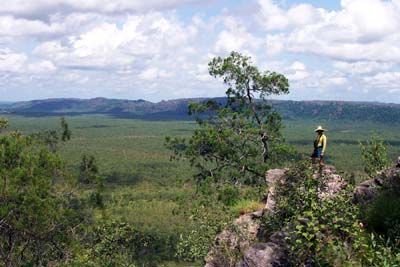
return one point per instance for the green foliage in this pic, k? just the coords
(328, 232)
(244, 206)
(144, 192)
(383, 215)
(66, 132)
(37, 218)
(151, 210)
(238, 142)
(229, 195)
(89, 175)
(374, 250)
(244, 79)
(3, 123)
(207, 218)
(52, 138)
(115, 243)
(374, 155)
(88, 170)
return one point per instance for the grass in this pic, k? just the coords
(244, 206)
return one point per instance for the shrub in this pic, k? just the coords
(374, 155)
(383, 215)
(116, 243)
(207, 218)
(228, 195)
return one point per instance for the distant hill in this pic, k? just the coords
(327, 110)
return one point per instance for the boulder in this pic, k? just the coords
(272, 177)
(264, 255)
(385, 180)
(235, 240)
(366, 191)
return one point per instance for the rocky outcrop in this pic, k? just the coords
(231, 242)
(239, 246)
(388, 179)
(334, 183)
(367, 190)
(273, 177)
(268, 254)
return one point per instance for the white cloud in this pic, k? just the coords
(362, 30)
(373, 18)
(139, 39)
(335, 80)
(40, 8)
(139, 49)
(273, 17)
(153, 73)
(361, 67)
(13, 62)
(275, 44)
(235, 37)
(10, 26)
(297, 71)
(386, 80)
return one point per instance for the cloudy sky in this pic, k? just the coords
(159, 49)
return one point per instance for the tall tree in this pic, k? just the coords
(241, 138)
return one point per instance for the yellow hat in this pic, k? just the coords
(319, 128)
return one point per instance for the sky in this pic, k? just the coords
(159, 49)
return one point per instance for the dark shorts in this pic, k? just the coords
(317, 152)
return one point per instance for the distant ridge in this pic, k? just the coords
(177, 108)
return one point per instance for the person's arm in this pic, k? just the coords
(324, 141)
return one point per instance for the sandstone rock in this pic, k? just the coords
(264, 255)
(271, 202)
(334, 182)
(272, 177)
(257, 214)
(388, 179)
(366, 191)
(236, 239)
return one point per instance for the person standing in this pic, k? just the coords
(319, 146)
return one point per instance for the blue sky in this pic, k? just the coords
(159, 49)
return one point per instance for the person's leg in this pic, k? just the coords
(320, 157)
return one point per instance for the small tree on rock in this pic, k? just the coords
(241, 138)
